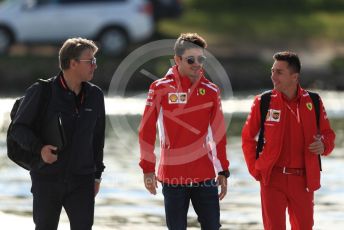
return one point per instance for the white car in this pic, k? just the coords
(113, 23)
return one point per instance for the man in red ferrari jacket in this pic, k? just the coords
(288, 167)
(187, 109)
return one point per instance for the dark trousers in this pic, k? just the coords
(76, 196)
(205, 200)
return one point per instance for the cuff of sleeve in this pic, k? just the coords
(37, 148)
(326, 149)
(98, 175)
(225, 173)
(148, 171)
(99, 170)
(147, 167)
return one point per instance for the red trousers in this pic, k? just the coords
(286, 191)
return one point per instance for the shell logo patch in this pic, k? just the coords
(309, 106)
(177, 98)
(172, 98)
(201, 91)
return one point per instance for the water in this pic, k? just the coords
(123, 202)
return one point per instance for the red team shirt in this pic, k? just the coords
(287, 137)
(191, 126)
(293, 144)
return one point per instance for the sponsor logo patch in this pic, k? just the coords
(309, 106)
(182, 98)
(201, 91)
(267, 115)
(177, 98)
(273, 115)
(172, 98)
(150, 94)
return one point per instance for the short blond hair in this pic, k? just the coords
(72, 49)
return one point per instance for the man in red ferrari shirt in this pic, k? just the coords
(192, 133)
(288, 167)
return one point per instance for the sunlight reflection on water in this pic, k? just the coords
(123, 202)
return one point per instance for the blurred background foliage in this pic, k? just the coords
(268, 22)
(242, 34)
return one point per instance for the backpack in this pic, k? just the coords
(15, 152)
(264, 107)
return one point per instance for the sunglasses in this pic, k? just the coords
(92, 61)
(192, 59)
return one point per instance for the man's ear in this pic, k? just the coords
(73, 63)
(296, 76)
(177, 59)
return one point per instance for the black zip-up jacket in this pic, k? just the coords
(83, 121)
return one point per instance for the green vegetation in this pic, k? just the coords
(261, 22)
(242, 34)
(337, 65)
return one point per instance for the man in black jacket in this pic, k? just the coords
(68, 175)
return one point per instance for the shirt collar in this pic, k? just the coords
(63, 84)
(295, 99)
(184, 81)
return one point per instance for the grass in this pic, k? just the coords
(219, 22)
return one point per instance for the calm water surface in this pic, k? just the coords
(123, 203)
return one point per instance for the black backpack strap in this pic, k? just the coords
(44, 100)
(316, 102)
(264, 107)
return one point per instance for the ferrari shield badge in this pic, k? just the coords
(309, 106)
(201, 91)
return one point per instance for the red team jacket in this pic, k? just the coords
(275, 123)
(192, 130)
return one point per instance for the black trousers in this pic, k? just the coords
(205, 200)
(76, 196)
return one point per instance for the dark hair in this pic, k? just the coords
(290, 57)
(72, 49)
(188, 41)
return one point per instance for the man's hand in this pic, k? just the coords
(222, 182)
(48, 155)
(151, 183)
(317, 147)
(96, 187)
